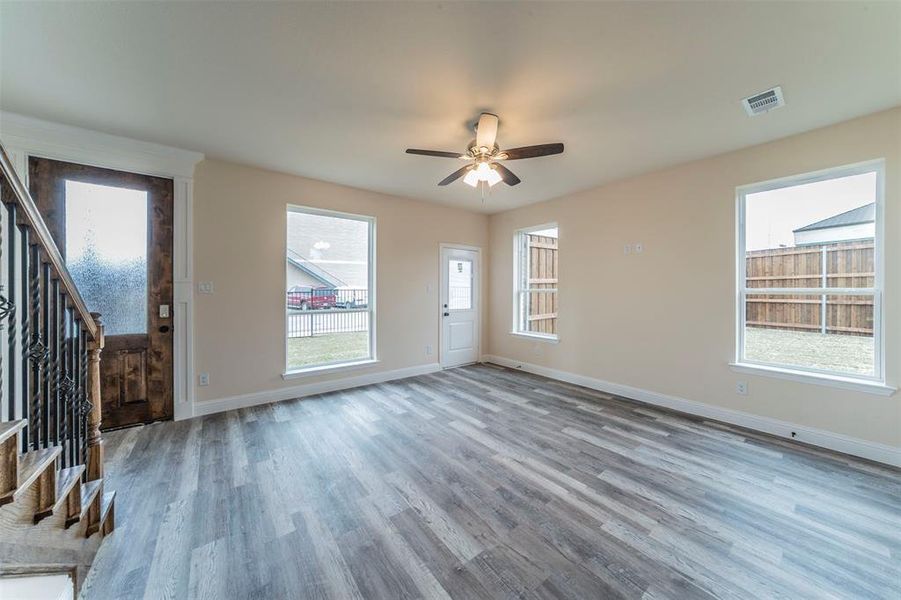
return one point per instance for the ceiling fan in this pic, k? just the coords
(483, 156)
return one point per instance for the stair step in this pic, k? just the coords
(107, 513)
(88, 493)
(31, 465)
(66, 479)
(11, 428)
(9, 459)
(92, 507)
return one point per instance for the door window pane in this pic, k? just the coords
(106, 252)
(459, 284)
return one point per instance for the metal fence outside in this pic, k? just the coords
(326, 311)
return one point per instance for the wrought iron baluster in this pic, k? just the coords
(11, 404)
(47, 417)
(66, 383)
(10, 308)
(72, 424)
(85, 404)
(55, 374)
(76, 393)
(36, 347)
(25, 337)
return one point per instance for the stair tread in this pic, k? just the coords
(106, 504)
(88, 493)
(66, 479)
(10, 428)
(32, 464)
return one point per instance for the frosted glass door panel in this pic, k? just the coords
(106, 252)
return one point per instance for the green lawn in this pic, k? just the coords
(327, 348)
(833, 352)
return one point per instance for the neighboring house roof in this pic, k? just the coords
(855, 216)
(314, 270)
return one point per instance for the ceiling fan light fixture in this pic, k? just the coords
(493, 177)
(483, 152)
(483, 172)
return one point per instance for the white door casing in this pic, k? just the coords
(460, 306)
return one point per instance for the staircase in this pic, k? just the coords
(54, 510)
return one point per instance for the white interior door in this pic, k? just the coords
(460, 306)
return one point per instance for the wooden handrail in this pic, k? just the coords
(42, 236)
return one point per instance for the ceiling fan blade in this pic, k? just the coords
(435, 153)
(506, 174)
(455, 175)
(531, 151)
(486, 132)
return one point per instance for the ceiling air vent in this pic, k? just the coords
(763, 102)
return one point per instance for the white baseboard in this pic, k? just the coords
(209, 407)
(882, 453)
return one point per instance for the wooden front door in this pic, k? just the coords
(115, 231)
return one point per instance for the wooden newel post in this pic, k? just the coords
(95, 439)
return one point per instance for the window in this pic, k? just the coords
(810, 273)
(459, 284)
(329, 292)
(106, 252)
(535, 281)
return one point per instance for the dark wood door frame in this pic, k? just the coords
(137, 370)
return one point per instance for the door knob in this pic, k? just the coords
(446, 314)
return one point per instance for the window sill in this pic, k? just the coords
(551, 339)
(837, 381)
(323, 369)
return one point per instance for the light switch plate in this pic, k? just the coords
(205, 287)
(164, 311)
(204, 379)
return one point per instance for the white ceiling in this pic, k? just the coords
(337, 91)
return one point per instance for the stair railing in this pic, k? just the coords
(51, 343)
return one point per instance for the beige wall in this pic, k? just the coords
(239, 245)
(638, 320)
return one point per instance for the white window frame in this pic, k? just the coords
(290, 373)
(876, 382)
(518, 283)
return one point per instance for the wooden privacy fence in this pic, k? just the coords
(837, 265)
(542, 276)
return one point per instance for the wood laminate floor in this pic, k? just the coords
(483, 482)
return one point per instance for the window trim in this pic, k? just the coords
(810, 374)
(517, 271)
(372, 358)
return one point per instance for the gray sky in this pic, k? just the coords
(770, 217)
(339, 246)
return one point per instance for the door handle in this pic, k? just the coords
(447, 314)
